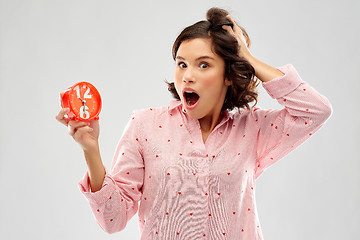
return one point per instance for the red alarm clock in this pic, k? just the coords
(83, 100)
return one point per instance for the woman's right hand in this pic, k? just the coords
(86, 133)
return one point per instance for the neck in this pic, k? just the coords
(208, 123)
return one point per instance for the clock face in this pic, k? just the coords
(85, 101)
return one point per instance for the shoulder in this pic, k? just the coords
(250, 115)
(243, 112)
(151, 113)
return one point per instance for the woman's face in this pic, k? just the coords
(199, 78)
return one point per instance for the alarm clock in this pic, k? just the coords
(83, 100)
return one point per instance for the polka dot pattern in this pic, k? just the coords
(189, 189)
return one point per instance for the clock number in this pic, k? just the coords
(86, 95)
(77, 91)
(83, 113)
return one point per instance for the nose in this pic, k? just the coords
(188, 76)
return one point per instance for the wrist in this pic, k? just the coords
(91, 147)
(93, 158)
(251, 59)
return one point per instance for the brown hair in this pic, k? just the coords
(237, 70)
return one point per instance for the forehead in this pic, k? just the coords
(197, 47)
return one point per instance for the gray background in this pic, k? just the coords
(124, 49)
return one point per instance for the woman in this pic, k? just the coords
(193, 164)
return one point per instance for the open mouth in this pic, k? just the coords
(191, 97)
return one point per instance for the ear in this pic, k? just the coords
(227, 82)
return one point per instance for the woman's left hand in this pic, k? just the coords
(263, 71)
(238, 35)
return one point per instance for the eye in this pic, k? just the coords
(182, 65)
(204, 65)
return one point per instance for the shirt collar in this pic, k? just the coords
(174, 104)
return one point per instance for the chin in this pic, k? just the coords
(195, 113)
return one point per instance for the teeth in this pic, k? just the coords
(189, 92)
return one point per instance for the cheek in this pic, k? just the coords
(177, 89)
(213, 81)
(177, 81)
(214, 87)
(177, 76)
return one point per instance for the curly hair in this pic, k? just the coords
(238, 71)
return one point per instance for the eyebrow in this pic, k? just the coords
(199, 58)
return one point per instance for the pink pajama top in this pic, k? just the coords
(189, 189)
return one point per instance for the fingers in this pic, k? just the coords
(60, 116)
(74, 126)
(238, 37)
(60, 99)
(81, 131)
(236, 31)
(229, 29)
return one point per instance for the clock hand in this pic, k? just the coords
(83, 101)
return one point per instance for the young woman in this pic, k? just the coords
(192, 165)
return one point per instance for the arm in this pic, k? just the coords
(283, 130)
(116, 202)
(263, 71)
(96, 168)
(280, 131)
(86, 134)
(113, 197)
